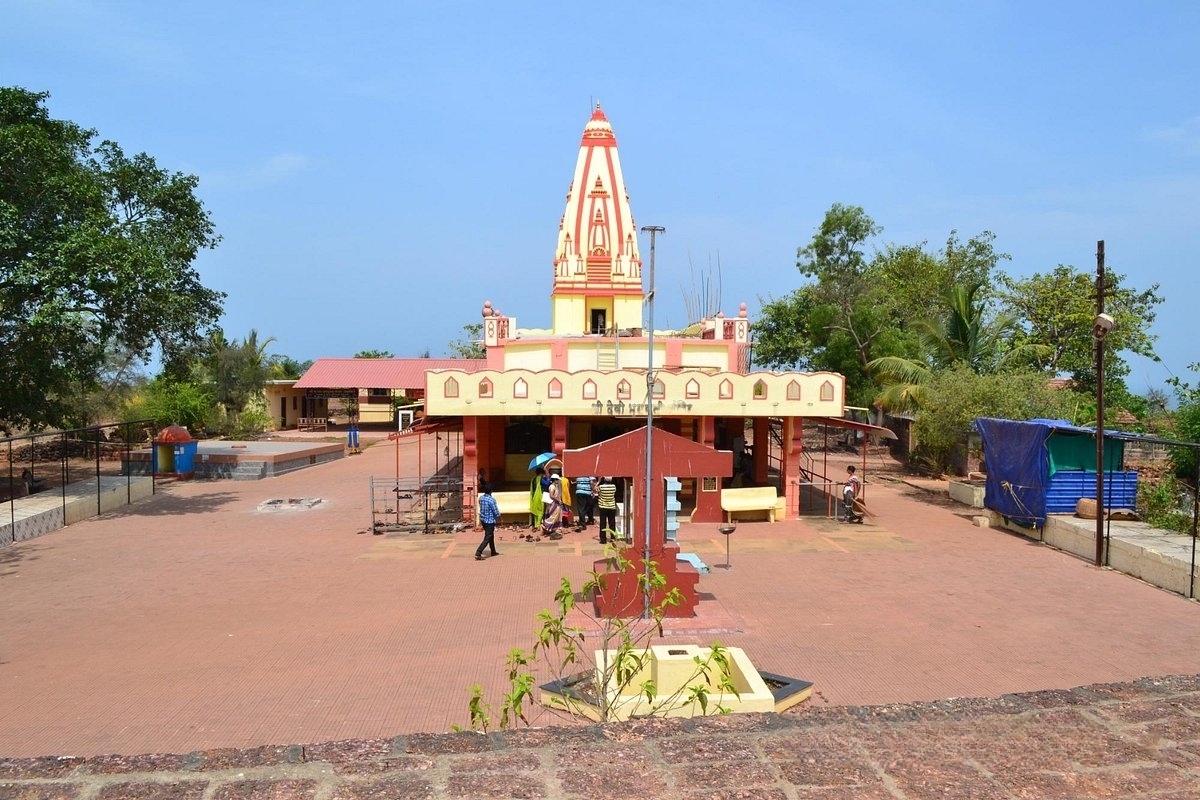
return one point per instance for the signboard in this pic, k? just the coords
(331, 393)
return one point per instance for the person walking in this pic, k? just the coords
(583, 501)
(552, 508)
(606, 501)
(489, 515)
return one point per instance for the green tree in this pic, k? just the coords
(836, 261)
(858, 309)
(471, 345)
(170, 402)
(374, 354)
(1056, 310)
(118, 380)
(96, 249)
(1187, 424)
(238, 370)
(280, 367)
(966, 335)
(783, 335)
(955, 397)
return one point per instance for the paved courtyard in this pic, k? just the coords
(196, 620)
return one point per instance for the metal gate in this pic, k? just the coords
(431, 505)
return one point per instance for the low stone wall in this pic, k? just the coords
(38, 514)
(1134, 740)
(969, 493)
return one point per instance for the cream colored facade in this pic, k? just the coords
(622, 393)
(584, 380)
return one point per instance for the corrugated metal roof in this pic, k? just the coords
(379, 373)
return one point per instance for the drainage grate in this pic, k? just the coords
(289, 504)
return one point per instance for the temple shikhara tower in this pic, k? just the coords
(597, 269)
(584, 380)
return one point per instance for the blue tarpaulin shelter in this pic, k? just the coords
(1045, 466)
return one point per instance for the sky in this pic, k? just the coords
(379, 169)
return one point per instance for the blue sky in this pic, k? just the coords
(379, 169)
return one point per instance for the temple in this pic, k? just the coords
(583, 380)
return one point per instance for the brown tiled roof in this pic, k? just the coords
(379, 373)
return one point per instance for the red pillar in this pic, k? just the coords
(789, 468)
(762, 449)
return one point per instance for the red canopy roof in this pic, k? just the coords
(379, 373)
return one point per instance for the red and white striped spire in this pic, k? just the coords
(597, 250)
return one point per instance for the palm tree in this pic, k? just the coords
(963, 335)
(239, 369)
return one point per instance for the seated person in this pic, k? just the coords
(32, 484)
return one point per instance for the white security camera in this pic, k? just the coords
(1102, 325)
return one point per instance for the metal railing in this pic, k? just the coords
(42, 464)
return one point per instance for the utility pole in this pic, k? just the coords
(1098, 334)
(653, 230)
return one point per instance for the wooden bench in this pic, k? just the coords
(512, 504)
(312, 424)
(749, 498)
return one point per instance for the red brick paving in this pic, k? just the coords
(194, 621)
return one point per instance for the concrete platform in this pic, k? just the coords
(247, 461)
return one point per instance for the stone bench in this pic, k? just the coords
(749, 498)
(512, 504)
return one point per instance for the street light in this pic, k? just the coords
(653, 230)
(1101, 326)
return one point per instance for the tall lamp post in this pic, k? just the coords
(1101, 325)
(653, 230)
